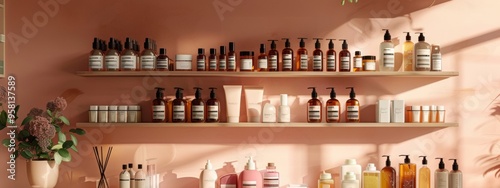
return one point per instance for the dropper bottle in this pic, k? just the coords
(112, 58)
(345, 58)
(317, 56)
(314, 107)
(148, 56)
(301, 63)
(96, 62)
(287, 56)
(273, 56)
(331, 57)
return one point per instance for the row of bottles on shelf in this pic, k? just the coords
(130, 178)
(420, 56)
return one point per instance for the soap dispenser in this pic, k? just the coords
(326, 181)
(407, 173)
(422, 52)
(387, 175)
(314, 107)
(345, 58)
(213, 108)
(424, 174)
(250, 177)
(178, 107)
(386, 62)
(273, 56)
(408, 53)
(159, 106)
(287, 56)
(455, 179)
(332, 107)
(301, 63)
(441, 175)
(331, 57)
(317, 56)
(352, 107)
(197, 107)
(208, 176)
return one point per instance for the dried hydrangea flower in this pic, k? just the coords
(41, 128)
(57, 105)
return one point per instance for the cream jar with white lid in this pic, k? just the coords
(93, 114)
(103, 114)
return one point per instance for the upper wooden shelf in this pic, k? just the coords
(262, 74)
(262, 125)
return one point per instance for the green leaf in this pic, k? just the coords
(57, 147)
(64, 120)
(24, 145)
(16, 109)
(26, 120)
(27, 154)
(77, 131)
(23, 135)
(49, 112)
(73, 138)
(44, 156)
(6, 142)
(3, 119)
(61, 136)
(58, 129)
(68, 158)
(73, 147)
(57, 158)
(67, 144)
(64, 153)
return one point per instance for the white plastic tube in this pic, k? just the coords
(253, 98)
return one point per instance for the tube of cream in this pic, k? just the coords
(253, 98)
(233, 101)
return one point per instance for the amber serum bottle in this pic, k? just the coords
(201, 64)
(352, 107)
(262, 59)
(179, 106)
(213, 108)
(317, 64)
(287, 56)
(212, 60)
(273, 57)
(301, 62)
(231, 58)
(332, 108)
(314, 108)
(222, 59)
(345, 58)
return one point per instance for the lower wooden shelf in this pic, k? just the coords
(263, 125)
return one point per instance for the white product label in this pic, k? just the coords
(353, 112)
(330, 62)
(287, 61)
(159, 112)
(388, 57)
(436, 62)
(213, 112)
(95, 62)
(112, 62)
(370, 66)
(263, 63)
(271, 182)
(222, 64)
(200, 64)
(333, 113)
(198, 112)
(303, 62)
(246, 64)
(358, 62)
(183, 65)
(128, 62)
(140, 183)
(178, 112)
(423, 58)
(148, 62)
(212, 64)
(162, 63)
(231, 62)
(273, 61)
(345, 63)
(317, 62)
(314, 112)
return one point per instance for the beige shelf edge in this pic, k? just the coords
(263, 125)
(261, 74)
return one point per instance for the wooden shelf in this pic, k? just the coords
(262, 74)
(265, 125)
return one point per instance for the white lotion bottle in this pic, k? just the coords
(124, 178)
(140, 178)
(455, 179)
(386, 62)
(132, 175)
(441, 176)
(269, 113)
(284, 113)
(351, 166)
(208, 176)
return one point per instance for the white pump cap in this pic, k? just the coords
(325, 176)
(208, 166)
(371, 167)
(350, 161)
(350, 176)
(251, 164)
(284, 99)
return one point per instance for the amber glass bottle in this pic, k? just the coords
(287, 56)
(317, 64)
(345, 58)
(231, 58)
(314, 108)
(407, 174)
(332, 108)
(212, 60)
(352, 107)
(262, 59)
(159, 107)
(301, 61)
(387, 175)
(273, 57)
(213, 108)
(201, 60)
(197, 107)
(222, 59)
(331, 57)
(179, 106)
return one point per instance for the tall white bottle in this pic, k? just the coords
(132, 175)
(124, 178)
(455, 179)
(441, 176)
(386, 62)
(349, 180)
(284, 113)
(351, 166)
(208, 176)
(140, 178)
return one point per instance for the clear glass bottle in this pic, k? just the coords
(424, 174)
(408, 53)
(357, 62)
(96, 57)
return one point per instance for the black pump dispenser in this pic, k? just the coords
(178, 93)
(159, 92)
(273, 44)
(455, 165)
(231, 46)
(317, 45)
(332, 93)
(197, 93)
(330, 44)
(302, 44)
(147, 43)
(314, 95)
(424, 160)
(262, 48)
(421, 37)
(201, 51)
(344, 44)
(287, 42)
(387, 35)
(388, 160)
(408, 36)
(441, 163)
(212, 92)
(352, 95)
(407, 158)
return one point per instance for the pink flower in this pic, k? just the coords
(35, 112)
(3, 93)
(41, 128)
(57, 105)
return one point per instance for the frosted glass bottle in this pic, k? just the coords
(349, 181)
(386, 60)
(422, 52)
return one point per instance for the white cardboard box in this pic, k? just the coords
(397, 111)
(383, 111)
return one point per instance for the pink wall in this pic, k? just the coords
(45, 59)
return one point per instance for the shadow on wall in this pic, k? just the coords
(491, 161)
